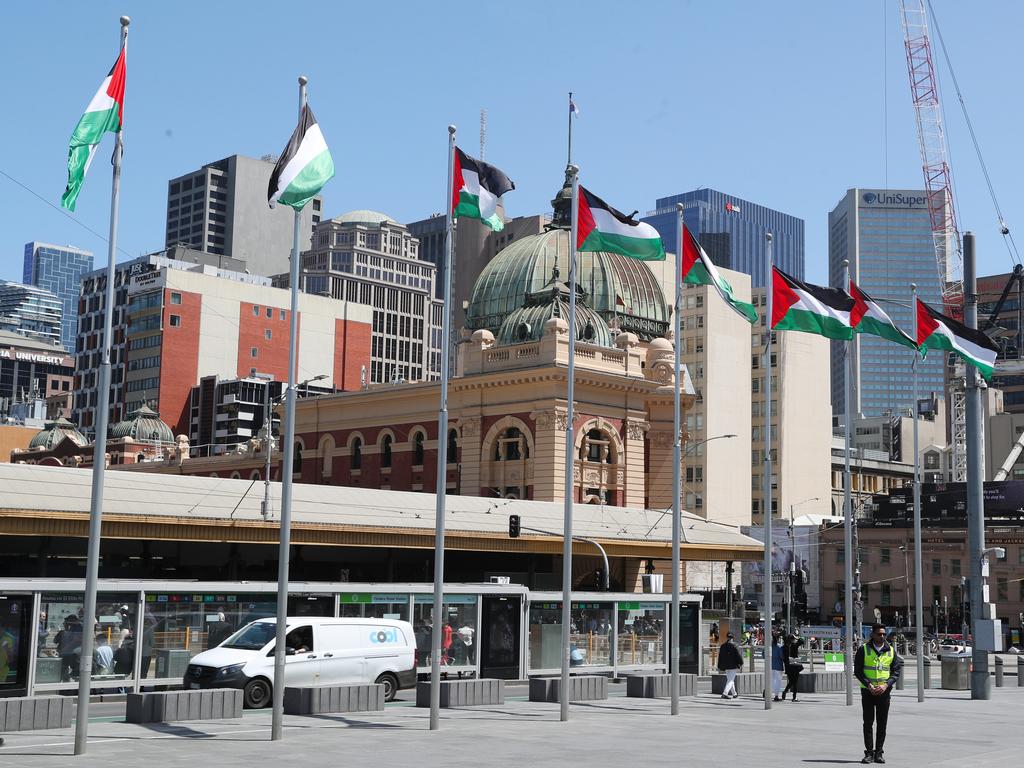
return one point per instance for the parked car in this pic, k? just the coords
(319, 651)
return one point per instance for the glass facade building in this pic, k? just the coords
(732, 232)
(59, 269)
(30, 311)
(886, 236)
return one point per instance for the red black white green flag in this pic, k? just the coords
(937, 331)
(698, 269)
(105, 113)
(868, 317)
(599, 227)
(476, 187)
(800, 306)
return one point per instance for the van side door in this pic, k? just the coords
(343, 657)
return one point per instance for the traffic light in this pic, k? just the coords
(513, 526)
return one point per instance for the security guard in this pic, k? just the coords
(877, 667)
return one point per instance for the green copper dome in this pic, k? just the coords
(54, 432)
(615, 286)
(144, 426)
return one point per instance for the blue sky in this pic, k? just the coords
(786, 104)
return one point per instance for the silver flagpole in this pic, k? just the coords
(284, 551)
(677, 474)
(570, 442)
(442, 455)
(99, 455)
(848, 505)
(768, 583)
(918, 587)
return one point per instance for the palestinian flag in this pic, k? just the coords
(698, 269)
(304, 167)
(798, 306)
(868, 317)
(104, 113)
(935, 331)
(599, 227)
(476, 187)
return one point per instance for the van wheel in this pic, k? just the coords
(390, 683)
(256, 693)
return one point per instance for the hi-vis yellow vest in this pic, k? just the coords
(877, 665)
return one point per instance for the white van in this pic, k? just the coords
(320, 651)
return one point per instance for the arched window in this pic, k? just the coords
(357, 453)
(297, 465)
(453, 446)
(511, 446)
(417, 449)
(385, 451)
(596, 447)
(236, 476)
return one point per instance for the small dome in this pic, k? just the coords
(619, 288)
(529, 322)
(54, 432)
(144, 426)
(373, 218)
(661, 344)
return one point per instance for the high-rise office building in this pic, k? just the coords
(59, 269)
(732, 231)
(222, 209)
(886, 236)
(368, 258)
(31, 311)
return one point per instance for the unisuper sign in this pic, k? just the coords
(886, 199)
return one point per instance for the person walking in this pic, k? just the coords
(877, 667)
(778, 652)
(730, 661)
(791, 656)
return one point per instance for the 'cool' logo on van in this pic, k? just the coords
(384, 636)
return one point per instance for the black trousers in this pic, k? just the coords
(874, 708)
(792, 681)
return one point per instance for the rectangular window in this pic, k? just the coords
(954, 567)
(1002, 589)
(254, 352)
(175, 298)
(175, 321)
(886, 555)
(936, 567)
(270, 312)
(886, 594)
(840, 555)
(268, 334)
(256, 310)
(282, 314)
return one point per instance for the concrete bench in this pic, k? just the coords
(821, 682)
(463, 693)
(321, 699)
(170, 706)
(34, 713)
(581, 688)
(747, 683)
(658, 686)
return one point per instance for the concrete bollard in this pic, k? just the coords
(927, 672)
(1020, 672)
(999, 671)
(899, 682)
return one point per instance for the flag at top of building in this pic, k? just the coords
(868, 317)
(799, 306)
(476, 187)
(937, 331)
(698, 269)
(104, 113)
(599, 227)
(304, 166)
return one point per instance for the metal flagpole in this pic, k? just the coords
(848, 504)
(677, 473)
(442, 455)
(570, 442)
(286, 474)
(569, 158)
(768, 583)
(99, 455)
(918, 586)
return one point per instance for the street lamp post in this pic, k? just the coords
(906, 576)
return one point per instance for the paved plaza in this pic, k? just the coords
(948, 729)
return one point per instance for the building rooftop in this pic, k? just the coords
(374, 218)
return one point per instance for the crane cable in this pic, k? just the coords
(1008, 240)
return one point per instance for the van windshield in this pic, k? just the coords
(252, 637)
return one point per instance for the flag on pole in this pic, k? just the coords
(599, 227)
(476, 187)
(104, 113)
(573, 109)
(799, 306)
(698, 269)
(867, 317)
(937, 331)
(304, 166)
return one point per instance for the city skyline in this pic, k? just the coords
(798, 159)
